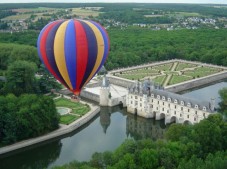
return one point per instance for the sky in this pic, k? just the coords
(110, 1)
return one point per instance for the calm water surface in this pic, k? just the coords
(105, 132)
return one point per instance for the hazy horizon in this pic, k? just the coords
(118, 1)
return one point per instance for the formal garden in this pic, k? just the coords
(77, 110)
(170, 73)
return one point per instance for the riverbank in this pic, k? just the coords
(63, 129)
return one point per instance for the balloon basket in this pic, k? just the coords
(75, 98)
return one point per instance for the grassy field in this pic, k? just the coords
(78, 109)
(159, 79)
(185, 14)
(178, 79)
(17, 17)
(68, 118)
(182, 66)
(163, 67)
(85, 12)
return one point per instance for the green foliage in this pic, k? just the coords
(26, 116)
(223, 103)
(134, 46)
(68, 118)
(186, 147)
(20, 77)
(14, 52)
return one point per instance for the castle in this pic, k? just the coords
(147, 100)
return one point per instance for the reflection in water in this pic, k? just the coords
(136, 127)
(141, 128)
(32, 158)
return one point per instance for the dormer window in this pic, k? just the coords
(189, 104)
(204, 108)
(158, 97)
(169, 100)
(163, 98)
(152, 95)
(196, 106)
(182, 103)
(175, 101)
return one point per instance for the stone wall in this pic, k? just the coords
(90, 96)
(120, 81)
(197, 82)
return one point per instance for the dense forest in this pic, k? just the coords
(26, 116)
(130, 46)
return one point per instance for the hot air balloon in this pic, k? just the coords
(73, 51)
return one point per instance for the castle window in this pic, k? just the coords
(204, 108)
(204, 114)
(131, 102)
(189, 104)
(158, 102)
(140, 105)
(158, 97)
(136, 97)
(195, 112)
(174, 112)
(157, 108)
(162, 109)
(152, 106)
(152, 100)
(131, 97)
(188, 110)
(152, 95)
(182, 108)
(188, 116)
(182, 103)
(140, 99)
(169, 105)
(163, 103)
(194, 119)
(196, 106)
(169, 100)
(175, 106)
(180, 115)
(163, 98)
(175, 101)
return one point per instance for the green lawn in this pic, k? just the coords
(68, 118)
(164, 67)
(182, 66)
(198, 74)
(81, 111)
(178, 79)
(159, 79)
(78, 109)
(62, 102)
(145, 70)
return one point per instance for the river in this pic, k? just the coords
(105, 132)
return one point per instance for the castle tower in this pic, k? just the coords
(212, 104)
(104, 92)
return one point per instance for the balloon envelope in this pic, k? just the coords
(73, 51)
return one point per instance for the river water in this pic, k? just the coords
(105, 132)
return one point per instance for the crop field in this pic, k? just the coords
(170, 73)
(85, 12)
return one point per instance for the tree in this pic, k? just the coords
(223, 103)
(21, 77)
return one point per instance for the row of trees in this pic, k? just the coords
(26, 116)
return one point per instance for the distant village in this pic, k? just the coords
(30, 20)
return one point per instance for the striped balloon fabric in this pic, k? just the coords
(73, 51)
